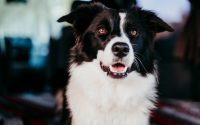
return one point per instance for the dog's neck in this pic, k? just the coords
(95, 99)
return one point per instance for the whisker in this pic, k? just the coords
(138, 54)
(133, 44)
(137, 65)
(141, 63)
(156, 74)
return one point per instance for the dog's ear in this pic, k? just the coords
(82, 16)
(154, 23)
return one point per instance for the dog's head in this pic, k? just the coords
(120, 40)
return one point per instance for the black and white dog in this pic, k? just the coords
(112, 65)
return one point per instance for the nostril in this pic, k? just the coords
(126, 49)
(116, 48)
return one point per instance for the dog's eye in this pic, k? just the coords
(133, 33)
(101, 31)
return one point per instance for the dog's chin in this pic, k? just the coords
(116, 70)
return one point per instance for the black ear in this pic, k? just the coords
(82, 16)
(67, 18)
(155, 23)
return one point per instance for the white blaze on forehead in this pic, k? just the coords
(122, 21)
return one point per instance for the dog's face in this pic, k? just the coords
(120, 40)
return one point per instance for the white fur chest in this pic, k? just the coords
(96, 99)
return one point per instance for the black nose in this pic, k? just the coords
(120, 49)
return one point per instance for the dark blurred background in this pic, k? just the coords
(34, 50)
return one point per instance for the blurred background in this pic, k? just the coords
(34, 49)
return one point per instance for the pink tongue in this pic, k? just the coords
(119, 68)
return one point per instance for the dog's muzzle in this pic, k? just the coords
(118, 68)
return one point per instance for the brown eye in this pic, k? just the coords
(133, 33)
(101, 31)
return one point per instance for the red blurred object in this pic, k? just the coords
(177, 112)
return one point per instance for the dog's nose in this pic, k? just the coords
(120, 49)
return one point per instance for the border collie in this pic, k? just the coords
(112, 65)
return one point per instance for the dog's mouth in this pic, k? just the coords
(117, 70)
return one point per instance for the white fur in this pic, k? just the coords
(96, 99)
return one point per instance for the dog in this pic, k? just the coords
(112, 73)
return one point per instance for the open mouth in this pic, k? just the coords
(116, 70)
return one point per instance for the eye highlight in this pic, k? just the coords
(133, 33)
(101, 31)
